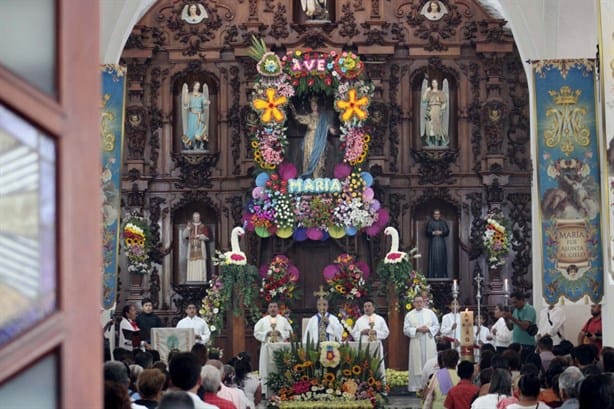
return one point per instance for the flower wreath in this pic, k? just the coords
(496, 238)
(315, 209)
(137, 243)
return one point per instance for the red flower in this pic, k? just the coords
(236, 257)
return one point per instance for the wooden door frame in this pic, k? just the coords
(73, 122)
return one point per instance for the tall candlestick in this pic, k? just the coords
(506, 287)
(455, 286)
(467, 340)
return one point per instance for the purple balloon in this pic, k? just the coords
(364, 267)
(373, 230)
(325, 236)
(258, 192)
(342, 170)
(367, 194)
(287, 171)
(314, 233)
(293, 271)
(383, 218)
(375, 205)
(330, 271)
(263, 270)
(300, 234)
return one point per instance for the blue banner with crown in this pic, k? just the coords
(112, 136)
(568, 179)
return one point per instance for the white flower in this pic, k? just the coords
(216, 310)
(212, 328)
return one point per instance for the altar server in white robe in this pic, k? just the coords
(420, 325)
(368, 322)
(270, 328)
(201, 329)
(324, 322)
(450, 325)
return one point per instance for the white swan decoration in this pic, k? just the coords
(394, 255)
(235, 255)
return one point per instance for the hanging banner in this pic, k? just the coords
(112, 135)
(568, 179)
(606, 49)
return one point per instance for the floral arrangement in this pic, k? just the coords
(416, 285)
(334, 373)
(322, 214)
(348, 314)
(279, 280)
(496, 238)
(211, 307)
(396, 378)
(346, 278)
(397, 270)
(137, 243)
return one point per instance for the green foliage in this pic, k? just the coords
(258, 48)
(240, 289)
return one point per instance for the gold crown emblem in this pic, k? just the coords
(565, 96)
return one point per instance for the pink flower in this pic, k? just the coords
(237, 257)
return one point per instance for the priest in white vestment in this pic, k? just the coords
(270, 328)
(450, 325)
(201, 329)
(368, 322)
(420, 325)
(323, 326)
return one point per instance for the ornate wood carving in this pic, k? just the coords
(195, 169)
(395, 116)
(435, 32)
(136, 198)
(193, 36)
(157, 251)
(196, 196)
(378, 123)
(396, 207)
(494, 115)
(477, 225)
(434, 165)
(520, 215)
(439, 193)
(136, 132)
(279, 28)
(347, 23)
(234, 210)
(235, 119)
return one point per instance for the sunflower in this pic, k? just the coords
(371, 381)
(347, 372)
(356, 369)
(304, 378)
(329, 377)
(338, 287)
(299, 367)
(307, 364)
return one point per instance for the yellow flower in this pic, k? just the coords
(329, 377)
(349, 322)
(270, 106)
(408, 306)
(371, 381)
(298, 367)
(347, 372)
(352, 107)
(356, 370)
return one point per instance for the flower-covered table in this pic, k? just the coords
(270, 367)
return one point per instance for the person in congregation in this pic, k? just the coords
(461, 395)
(442, 381)
(481, 333)
(568, 387)
(591, 332)
(184, 372)
(201, 329)
(501, 333)
(248, 382)
(450, 324)
(551, 322)
(323, 326)
(523, 318)
(270, 328)
(421, 326)
(129, 331)
(211, 382)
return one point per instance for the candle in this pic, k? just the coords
(506, 287)
(466, 335)
(455, 286)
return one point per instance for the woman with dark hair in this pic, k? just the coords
(116, 396)
(129, 333)
(597, 391)
(529, 386)
(500, 388)
(247, 381)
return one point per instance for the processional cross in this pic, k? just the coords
(321, 293)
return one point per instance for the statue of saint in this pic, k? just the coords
(437, 230)
(315, 9)
(195, 116)
(194, 13)
(434, 113)
(314, 142)
(197, 234)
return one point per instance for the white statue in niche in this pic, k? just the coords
(315, 9)
(434, 10)
(434, 113)
(194, 13)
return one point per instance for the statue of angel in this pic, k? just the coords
(195, 116)
(434, 113)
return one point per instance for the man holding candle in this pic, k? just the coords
(371, 327)
(421, 326)
(523, 317)
(450, 324)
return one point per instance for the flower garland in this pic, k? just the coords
(211, 308)
(333, 373)
(320, 214)
(137, 243)
(496, 238)
(279, 280)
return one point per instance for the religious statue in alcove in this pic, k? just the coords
(319, 124)
(437, 230)
(434, 113)
(195, 116)
(434, 10)
(315, 9)
(197, 234)
(194, 13)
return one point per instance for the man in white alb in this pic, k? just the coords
(323, 326)
(551, 322)
(201, 329)
(421, 326)
(270, 329)
(450, 325)
(371, 326)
